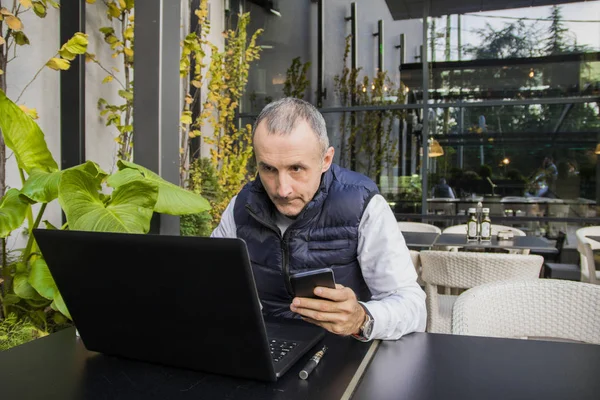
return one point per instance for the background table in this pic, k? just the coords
(419, 240)
(596, 238)
(424, 366)
(534, 243)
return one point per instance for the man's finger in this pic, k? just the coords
(314, 304)
(318, 315)
(338, 294)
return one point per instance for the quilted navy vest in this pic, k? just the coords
(325, 234)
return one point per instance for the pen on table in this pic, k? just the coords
(312, 363)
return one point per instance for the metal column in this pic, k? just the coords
(72, 89)
(425, 131)
(321, 92)
(156, 104)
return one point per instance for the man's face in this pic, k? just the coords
(290, 166)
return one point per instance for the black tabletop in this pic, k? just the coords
(59, 367)
(419, 240)
(596, 238)
(424, 366)
(518, 242)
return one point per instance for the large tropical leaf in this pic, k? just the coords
(124, 176)
(41, 279)
(42, 186)
(22, 287)
(24, 137)
(171, 198)
(59, 305)
(13, 208)
(129, 209)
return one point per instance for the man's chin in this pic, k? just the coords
(290, 212)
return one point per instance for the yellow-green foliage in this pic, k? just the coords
(121, 43)
(225, 74)
(15, 331)
(367, 144)
(296, 79)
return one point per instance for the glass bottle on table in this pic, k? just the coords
(472, 225)
(486, 225)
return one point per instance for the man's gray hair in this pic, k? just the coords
(282, 116)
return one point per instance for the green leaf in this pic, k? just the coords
(171, 198)
(58, 64)
(22, 287)
(41, 279)
(13, 209)
(11, 299)
(124, 176)
(20, 38)
(126, 95)
(129, 210)
(107, 30)
(49, 225)
(39, 9)
(66, 54)
(42, 186)
(24, 137)
(59, 305)
(113, 10)
(75, 46)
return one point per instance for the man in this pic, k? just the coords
(443, 191)
(307, 213)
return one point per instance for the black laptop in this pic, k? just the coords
(187, 302)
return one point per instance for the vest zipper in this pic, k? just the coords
(284, 249)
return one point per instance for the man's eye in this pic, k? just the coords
(297, 168)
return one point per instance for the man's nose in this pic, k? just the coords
(284, 188)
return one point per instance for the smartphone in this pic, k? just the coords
(304, 283)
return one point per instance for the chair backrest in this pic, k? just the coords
(495, 229)
(417, 227)
(542, 308)
(416, 260)
(586, 248)
(465, 270)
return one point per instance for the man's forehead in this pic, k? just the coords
(298, 125)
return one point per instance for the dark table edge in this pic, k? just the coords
(360, 371)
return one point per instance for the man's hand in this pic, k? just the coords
(338, 311)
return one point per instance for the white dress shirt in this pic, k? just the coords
(398, 302)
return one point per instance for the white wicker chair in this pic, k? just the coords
(535, 309)
(416, 260)
(586, 249)
(495, 229)
(418, 227)
(464, 270)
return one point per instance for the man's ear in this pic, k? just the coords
(328, 159)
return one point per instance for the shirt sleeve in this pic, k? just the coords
(397, 304)
(226, 228)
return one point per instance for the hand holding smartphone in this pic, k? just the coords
(304, 283)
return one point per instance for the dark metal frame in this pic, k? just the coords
(195, 143)
(321, 92)
(379, 35)
(353, 18)
(156, 102)
(72, 89)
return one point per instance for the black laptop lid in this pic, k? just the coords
(182, 301)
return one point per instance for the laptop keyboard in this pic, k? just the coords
(280, 348)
